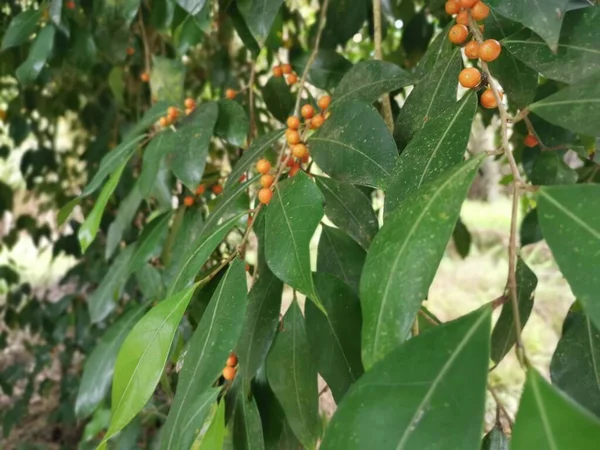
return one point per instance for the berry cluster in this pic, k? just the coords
(216, 189)
(173, 112)
(285, 69)
(486, 51)
(230, 367)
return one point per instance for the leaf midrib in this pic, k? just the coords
(343, 144)
(543, 417)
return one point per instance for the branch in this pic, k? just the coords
(500, 406)
(144, 41)
(251, 106)
(385, 98)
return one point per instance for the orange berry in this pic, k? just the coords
(130, 51)
(263, 166)
(480, 11)
(289, 161)
(472, 50)
(172, 112)
(467, 3)
(188, 111)
(217, 189)
(265, 195)
(292, 136)
(230, 94)
(299, 150)
(188, 200)
(70, 5)
(189, 103)
(293, 123)
(277, 71)
(266, 181)
(469, 77)
(286, 68)
(292, 78)
(458, 34)
(164, 122)
(200, 189)
(462, 18)
(294, 170)
(488, 100)
(530, 141)
(452, 7)
(324, 102)
(317, 121)
(232, 360)
(304, 159)
(229, 373)
(489, 50)
(242, 178)
(145, 77)
(307, 111)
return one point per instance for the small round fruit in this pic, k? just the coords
(294, 170)
(307, 111)
(292, 78)
(286, 68)
(263, 166)
(480, 11)
(164, 122)
(265, 195)
(324, 102)
(266, 181)
(458, 34)
(277, 71)
(462, 18)
(472, 50)
(172, 112)
(452, 7)
(217, 189)
(188, 111)
(467, 3)
(305, 158)
(242, 178)
(229, 373)
(230, 94)
(299, 150)
(469, 77)
(232, 360)
(188, 200)
(292, 136)
(487, 100)
(530, 141)
(70, 5)
(145, 77)
(293, 123)
(189, 103)
(317, 121)
(200, 189)
(130, 51)
(489, 50)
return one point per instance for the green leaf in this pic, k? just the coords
(89, 228)
(192, 6)
(461, 238)
(431, 96)
(199, 414)
(578, 48)
(530, 229)
(66, 210)
(344, 19)
(241, 27)
(154, 153)
(209, 348)
(257, 149)
(149, 281)
(125, 214)
(574, 108)
(334, 339)
(355, 146)
(192, 142)
(21, 27)
(504, 336)
(83, 52)
(293, 378)
(118, 10)
(38, 54)
(166, 79)
(292, 218)
(369, 80)
(409, 401)
(259, 16)
(117, 86)
(224, 204)
(439, 145)
(495, 440)
(404, 257)
(548, 419)
(340, 255)
(55, 10)
(550, 168)
(215, 435)
(150, 241)
(232, 124)
(575, 366)
(99, 365)
(439, 48)
(570, 221)
(543, 17)
(279, 99)
(349, 209)
(247, 427)
(191, 31)
(327, 70)
(142, 358)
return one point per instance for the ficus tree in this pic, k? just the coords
(210, 140)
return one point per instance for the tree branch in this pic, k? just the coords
(385, 98)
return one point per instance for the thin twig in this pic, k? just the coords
(500, 406)
(427, 317)
(144, 41)
(251, 106)
(385, 98)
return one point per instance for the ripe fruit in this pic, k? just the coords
(458, 34)
(462, 18)
(200, 189)
(307, 111)
(488, 100)
(292, 136)
(292, 78)
(324, 102)
(232, 360)
(293, 123)
(277, 71)
(469, 77)
(299, 150)
(189, 103)
(70, 5)
(217, 189)
(265, 195)
(242, 178)
(472, 50)
(188, 111)
(130, 51)
(263, 166)
(286, 68)
(230, 94)
(188, 200)
(489, 50)
(172, 112)
(467, 3)
(530, 141)
(266, 181)
(294, 170)
(317, 121)
(164, 122)
(304, 159)
(480, 11)
(452, 7)
(229, 373)
(145, 77)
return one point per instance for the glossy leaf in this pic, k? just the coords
(192, 30)
(462, 238)
(247, 427)
(232, 124)
(341, 256)
(210, 345)
(335, 339)
(574, 108)
(548, 419)
(349, 209)
(142, 358)
(575, 366)
(338, 31)
(54, 11)
(150, 241)
(504, 336)
(369, 80)
(439, 145)
(570, 221)
(125, 214)
(191, 144)
(428, 406)
(38, 54)
(495, 440)
(215, 434)
(327, 70)
(404, 257)
(355, 146)
(549, 168)
(192, 6)
(166, 79)
(99, 365)
(199, 413)
(293, 378)
(440, 48)
(21, 27)
(279, 99)
(241, 27)
(223, 205)
(154, 154)
(259, 16)
(530, 229)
